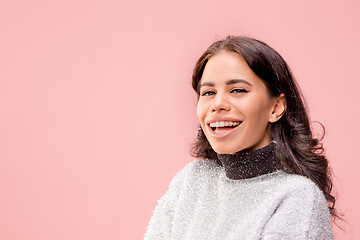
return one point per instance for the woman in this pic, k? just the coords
(259, 173)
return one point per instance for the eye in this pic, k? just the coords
(239, 90)
(207, 93)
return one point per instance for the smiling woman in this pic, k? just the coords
(231, 92)
(259, 172)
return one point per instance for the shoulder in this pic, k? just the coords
(298, 183)
(300, 190)
(202, 164)
(298, 201)
(197, 167)
(198, 171)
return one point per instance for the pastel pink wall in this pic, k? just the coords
(97, 112)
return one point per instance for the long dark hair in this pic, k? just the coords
(297, 151)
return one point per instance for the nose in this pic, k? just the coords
(220, 103)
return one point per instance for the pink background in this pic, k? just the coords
(97, 112)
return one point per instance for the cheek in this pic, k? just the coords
(257, 113)
(200, 111)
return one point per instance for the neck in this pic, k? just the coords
(249, 164)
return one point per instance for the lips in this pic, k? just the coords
(222, 132)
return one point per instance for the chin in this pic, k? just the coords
(225, 150)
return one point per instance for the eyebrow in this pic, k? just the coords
(229, 82)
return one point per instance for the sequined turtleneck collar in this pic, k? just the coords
(249, 164)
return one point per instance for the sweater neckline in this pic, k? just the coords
(249, 164)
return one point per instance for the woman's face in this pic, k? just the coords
(234, 107)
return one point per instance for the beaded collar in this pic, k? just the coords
(249, 164)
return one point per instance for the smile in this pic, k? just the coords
(222, 129)
(223, 124)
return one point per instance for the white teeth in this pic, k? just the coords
(224, 124)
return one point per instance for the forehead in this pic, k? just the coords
(227, 65)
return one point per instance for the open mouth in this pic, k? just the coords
(218, 127)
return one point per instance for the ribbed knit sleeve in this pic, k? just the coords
(302, 214)
(160, 224)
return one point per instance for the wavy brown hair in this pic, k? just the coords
(297, 150)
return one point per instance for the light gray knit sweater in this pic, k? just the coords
(202, 203)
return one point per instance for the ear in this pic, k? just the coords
(278, 109)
